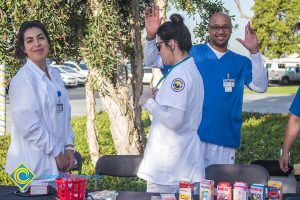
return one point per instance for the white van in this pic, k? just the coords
(275, 70)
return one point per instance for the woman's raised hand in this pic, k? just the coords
(152, 21)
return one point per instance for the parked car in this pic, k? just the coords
(68, 79)
(275, 71)
(291, 74)
(81, 79)
(81, 67)
(147, 74)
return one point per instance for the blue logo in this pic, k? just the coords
(22, 176)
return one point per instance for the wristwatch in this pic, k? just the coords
(70, 147)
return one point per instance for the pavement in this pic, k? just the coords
(271, 103)
(252, 103)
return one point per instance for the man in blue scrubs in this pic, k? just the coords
(291, 132)
(224, 74)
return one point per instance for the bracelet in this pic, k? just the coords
(70, 148)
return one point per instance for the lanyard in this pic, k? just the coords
(169, 71)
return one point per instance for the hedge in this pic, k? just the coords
(262, 137)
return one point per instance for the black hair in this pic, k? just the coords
(176, 30)
(19, 53)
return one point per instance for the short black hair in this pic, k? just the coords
(176, 30)
(19, 53)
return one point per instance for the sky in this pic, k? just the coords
(230, 5)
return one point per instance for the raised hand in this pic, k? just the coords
(152, 21)
(251, 41)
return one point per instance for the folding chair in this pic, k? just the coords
(237, 172)
(291, 196)
(118, 165)
(272, 166)
(287, 178)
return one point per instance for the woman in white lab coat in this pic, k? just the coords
(42, 137)
(173, 148)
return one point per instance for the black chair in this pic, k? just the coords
(78, 166)
(118, 165)
(272, 166)
(237, 172)
(291, 196)
(274, 170)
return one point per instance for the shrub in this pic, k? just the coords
(106, 148)
(262, 137)
(4, 144)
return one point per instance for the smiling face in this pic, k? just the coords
(219, 30)
(36, 46)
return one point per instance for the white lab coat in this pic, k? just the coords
(39, 132)
(173, 152)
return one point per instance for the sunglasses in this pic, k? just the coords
(158, 44)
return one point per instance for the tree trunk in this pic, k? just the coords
(124, 114)
(163, 8)
(116, 102)
(138, 72)
(91, 133)
(242, 14)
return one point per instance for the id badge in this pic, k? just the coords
(228, 84)
(59, 107)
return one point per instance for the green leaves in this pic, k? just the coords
(262, 138)
(203, 8)
(276, 25)
(56, 15)
(102, 42)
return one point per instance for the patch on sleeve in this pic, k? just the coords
(177, 85)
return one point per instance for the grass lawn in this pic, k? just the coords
(277, 90)
(262, 137)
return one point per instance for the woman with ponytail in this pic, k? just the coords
(173, 149)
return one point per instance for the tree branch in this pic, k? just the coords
(242, 14)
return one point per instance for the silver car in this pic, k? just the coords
(68, 79)
(81, 79)
(291, 74)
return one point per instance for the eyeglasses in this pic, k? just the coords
(158, 44)
(218, 28)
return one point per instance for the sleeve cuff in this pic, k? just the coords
(150, 104)
(147, 40)
(150, 44)
(55, 152)
(70, 148)
(255, 55)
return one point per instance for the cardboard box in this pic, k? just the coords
(224, 191)
(274, 190)
(206, 190)
(257, 192)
